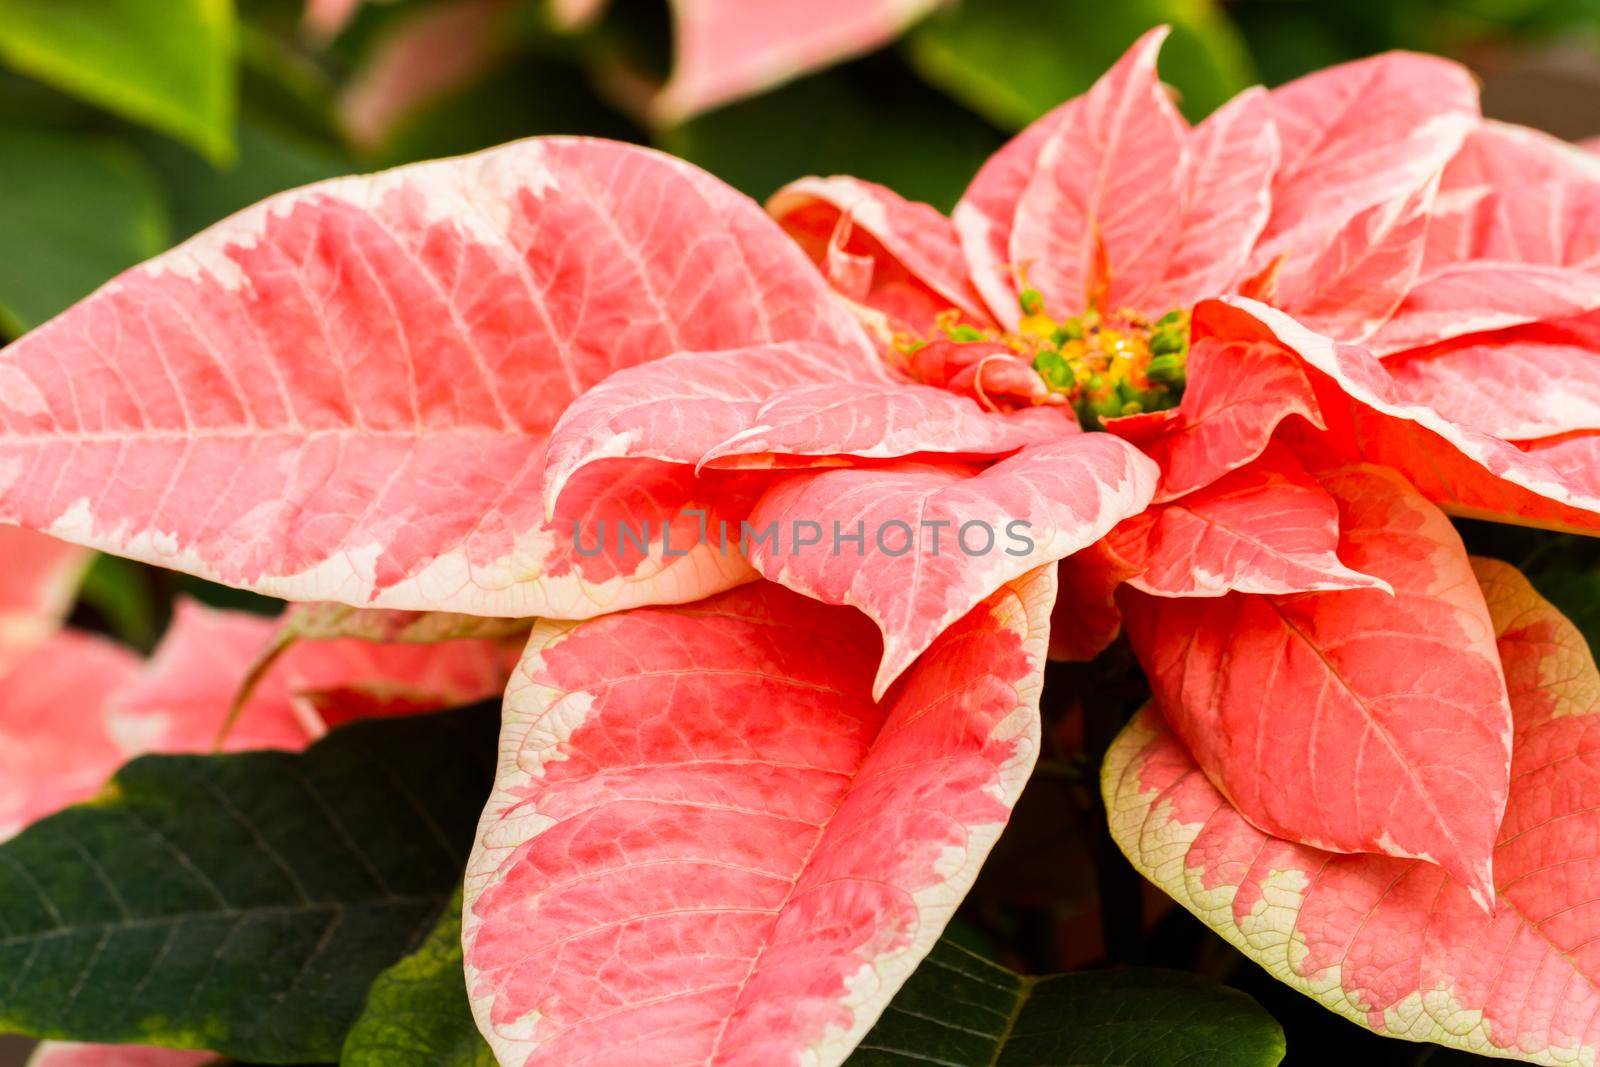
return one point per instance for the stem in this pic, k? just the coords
(1106, 696)
(1120, 888)
(1107, 699)
(264, 662)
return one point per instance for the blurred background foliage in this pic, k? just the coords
(128, 125)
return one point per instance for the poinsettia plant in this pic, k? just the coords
(797, 505)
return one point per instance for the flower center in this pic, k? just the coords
(1103, 364)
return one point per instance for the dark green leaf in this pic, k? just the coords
(1013, 60)
(32, 103)
(167, 64)
(960, 1009)
(1565, 569)
(241, 903)
(870, 119)
(417, 1013)
(74, 210)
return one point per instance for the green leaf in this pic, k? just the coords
(1013, 60)
(1291, 39)
(959, 1008)
(871, 119)
(282, 85)
(74, 210)
(165, 63)
(417, 1012)
(241, 903)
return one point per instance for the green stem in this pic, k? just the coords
(1120, 889)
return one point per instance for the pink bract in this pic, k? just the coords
(727, 49)
(325, 18)
(49, 759)
(183, 698)
(180, 700)
(724, 50)
(38, 583)
(1401, 946)
(71, 1054)
(432, 389)
(740, 865)
(1386, 707)
(526, 275)
(428, 54)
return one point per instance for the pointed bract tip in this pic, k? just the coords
(1481, 888)
(897, 659)
(555, 481)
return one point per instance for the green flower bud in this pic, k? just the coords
(1109, 407)
(1071, 330)
(1169, 369)
(1167, 341)
(1054, 369)
(1032, 301)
